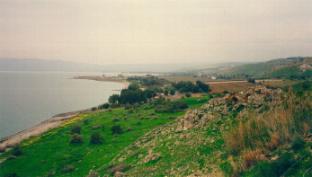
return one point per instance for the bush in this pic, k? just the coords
(168, 106)
(76, 129)
(86, 121)
(251, 80)
(11, 175)
(275, 168)
(297, 143)
(116, 129)
(68, 168)
(188, 95)
(251, 157)
(17, 151)
(76, 139)
(172, 92)
(227, 168)
(103, 106)
(96, 138)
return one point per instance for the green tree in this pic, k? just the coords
(114, 99)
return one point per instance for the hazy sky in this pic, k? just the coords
(155, 31)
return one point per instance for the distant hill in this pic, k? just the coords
(9, 64)
(46, 65)
(289, 68)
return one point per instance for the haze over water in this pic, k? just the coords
(28, 98)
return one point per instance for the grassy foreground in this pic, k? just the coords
(52, 154)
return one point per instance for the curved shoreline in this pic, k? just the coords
(36, 130)
(50, 123)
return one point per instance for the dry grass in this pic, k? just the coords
(259, 133)
(251, 157)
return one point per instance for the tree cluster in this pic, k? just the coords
(133, 94)
(188, 86)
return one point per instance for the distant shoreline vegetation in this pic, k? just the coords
(145, 88)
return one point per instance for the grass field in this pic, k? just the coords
(52, 153)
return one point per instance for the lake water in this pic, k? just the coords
(27, 98)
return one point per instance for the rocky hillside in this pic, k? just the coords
(200, 142)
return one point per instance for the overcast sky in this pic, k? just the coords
(155, 31)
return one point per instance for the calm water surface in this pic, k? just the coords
(27, 98)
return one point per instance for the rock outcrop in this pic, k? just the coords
(256, 98)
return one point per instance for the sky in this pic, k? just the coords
(155, 31)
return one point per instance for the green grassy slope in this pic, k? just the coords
(267, 144)
(52, 154)
(195, 151)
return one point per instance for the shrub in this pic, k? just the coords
(17, 151)
(118, 168)
(103, 106)
(251, 80)
(96, 138)
(227, 168)
(258, 133)
(116, 129)
(68, 168)
(76, 139)
(251, 157)
(297, 143)
(86, 121)
(11, 175)
(270, 129)
(168, 106)
(116, 120)
(93, 108)
(188, 95)
(76, 129)
(172, 92)
(93, 173)
(275, 168)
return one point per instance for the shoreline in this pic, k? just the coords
(103, 78)
(38, 129)
(54, 121)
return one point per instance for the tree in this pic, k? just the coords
(133, 86)
(184, 86)
(149, 93)
(202, 86)
(172, 91)
(131, 96)
(114, 99)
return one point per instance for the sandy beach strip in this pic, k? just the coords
(38, 129)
